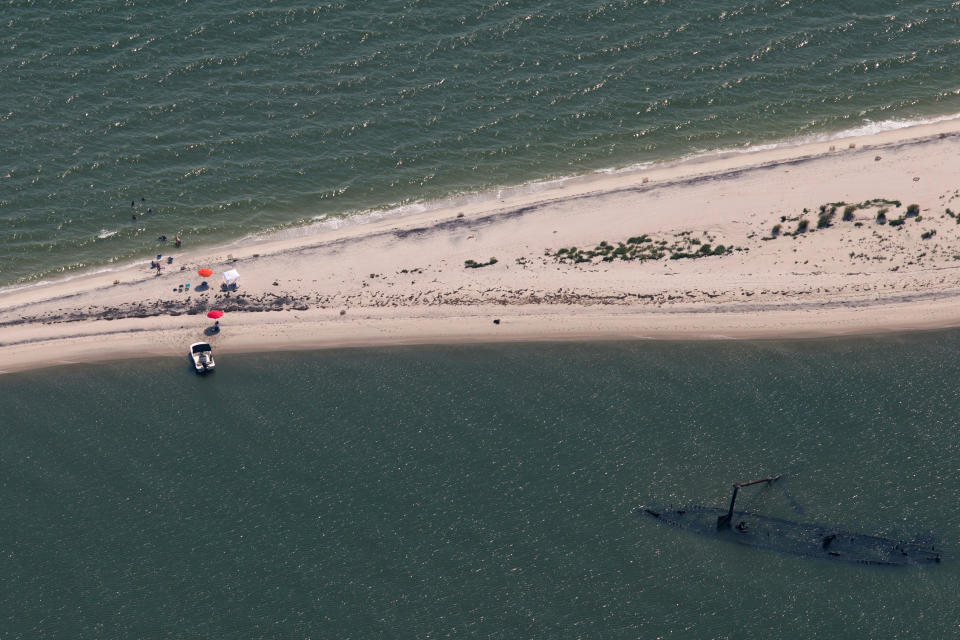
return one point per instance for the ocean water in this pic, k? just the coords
(227, 119)
(481, 491)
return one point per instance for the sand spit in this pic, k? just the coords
(859, 237)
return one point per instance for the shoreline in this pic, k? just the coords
(395, 213)
(640, 270)
(533, 187)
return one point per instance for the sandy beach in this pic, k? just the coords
(811, 240)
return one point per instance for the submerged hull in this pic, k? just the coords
(795, 538)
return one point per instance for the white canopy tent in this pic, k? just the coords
(230, 277)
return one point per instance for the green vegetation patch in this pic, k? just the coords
(826, 217)
(702, 252)
(473, 264)
(828, 212)
(641, 248)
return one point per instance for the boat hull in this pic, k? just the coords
(795, 538)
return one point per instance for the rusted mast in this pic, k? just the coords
(723, 522)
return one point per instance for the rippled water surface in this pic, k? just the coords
(229, 119)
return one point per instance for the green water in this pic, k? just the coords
(231, 119)
(475, 492)
(463, 492)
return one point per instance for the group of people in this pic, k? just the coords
(133, 204)
(176, 242)
(156, 264)
(162, 237)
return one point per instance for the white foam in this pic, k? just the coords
(328, 222)
(868, 128)
(702, 155)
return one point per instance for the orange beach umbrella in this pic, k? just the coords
(206, 273)
(216, 313)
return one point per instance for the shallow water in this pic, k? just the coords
(478, 491)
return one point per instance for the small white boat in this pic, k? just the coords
(202, 356)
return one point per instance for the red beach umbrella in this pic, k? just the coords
(216, 313)
(205, 273)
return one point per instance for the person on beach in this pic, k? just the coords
(176, 242)
(216, 326)
(162, 238)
